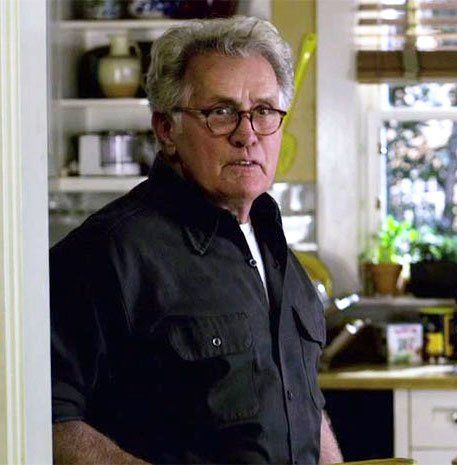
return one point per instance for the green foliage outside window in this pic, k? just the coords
(421, 172)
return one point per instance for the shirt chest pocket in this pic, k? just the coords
(311, 327)
(217, 357)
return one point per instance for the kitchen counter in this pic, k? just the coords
(403, 301)
(372, 377)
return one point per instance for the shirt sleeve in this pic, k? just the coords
(78, 349)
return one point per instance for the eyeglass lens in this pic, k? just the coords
(263, 121)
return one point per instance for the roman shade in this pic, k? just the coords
(414, 40)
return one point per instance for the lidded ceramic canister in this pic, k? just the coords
(119, 73)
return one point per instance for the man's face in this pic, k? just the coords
(218, 163)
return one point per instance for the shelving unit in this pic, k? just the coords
(71, 116)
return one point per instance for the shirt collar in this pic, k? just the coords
(199, 216)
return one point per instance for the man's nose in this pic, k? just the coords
(243, 135)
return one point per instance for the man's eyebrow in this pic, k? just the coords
(219, 99)
(267, 100)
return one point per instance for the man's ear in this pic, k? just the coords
(163, 130)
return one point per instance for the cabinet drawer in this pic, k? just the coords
(434, 457)
(434, 419)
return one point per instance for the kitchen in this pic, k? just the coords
(332, 110)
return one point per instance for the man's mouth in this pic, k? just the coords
(244, 163)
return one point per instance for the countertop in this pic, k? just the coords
(372, 377)
(404, 301)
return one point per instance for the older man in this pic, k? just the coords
(183, 329)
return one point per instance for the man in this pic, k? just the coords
(183, 330)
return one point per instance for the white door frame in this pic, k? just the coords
(25, 407)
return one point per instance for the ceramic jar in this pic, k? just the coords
(119, 73)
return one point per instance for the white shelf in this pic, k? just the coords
(102, 103)
(94, 184)
(121, 24)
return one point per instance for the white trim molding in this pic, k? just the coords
(337, 143)
(25, 411)
(12, 407)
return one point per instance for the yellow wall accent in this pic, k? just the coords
(294, 18)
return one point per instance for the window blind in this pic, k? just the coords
(406, 39)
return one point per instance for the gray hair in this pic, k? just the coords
(237, 36)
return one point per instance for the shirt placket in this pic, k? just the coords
(289, 350)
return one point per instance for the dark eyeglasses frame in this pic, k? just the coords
(249, 113)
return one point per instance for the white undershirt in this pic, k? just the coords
(248, 232)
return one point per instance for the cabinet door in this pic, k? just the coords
(434, 419)
(434, 457)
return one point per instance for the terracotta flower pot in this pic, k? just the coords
(385, 278)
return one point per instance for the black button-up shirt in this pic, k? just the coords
(163, 338)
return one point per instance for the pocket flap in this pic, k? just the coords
(200, 337)
(312, 321)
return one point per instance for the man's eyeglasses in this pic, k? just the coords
(225, 119)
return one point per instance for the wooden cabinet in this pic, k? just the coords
(434, 457)
(419, 422)
(426, 425)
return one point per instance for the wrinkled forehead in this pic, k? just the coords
(213, 78)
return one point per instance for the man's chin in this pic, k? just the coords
(243, 196)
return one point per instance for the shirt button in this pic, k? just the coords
(290, 395)
(252, 262)
(276, 264)
(216, 341)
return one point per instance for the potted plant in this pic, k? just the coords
(433, 265)
(383, 260)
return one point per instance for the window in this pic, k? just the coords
(408, 50)
(421, 158)
(417, 139)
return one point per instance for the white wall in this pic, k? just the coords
(337, 146)
(25, 408)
